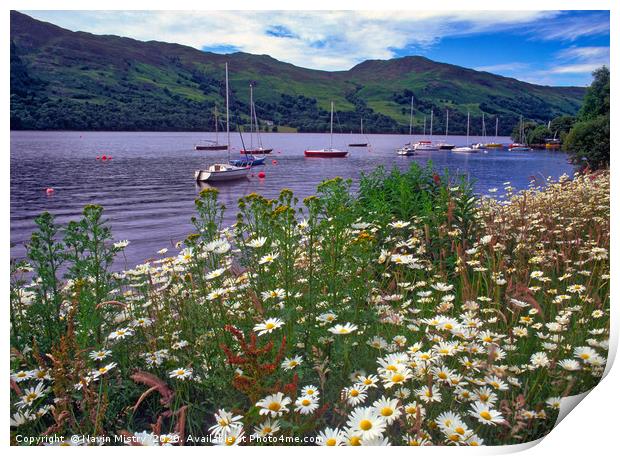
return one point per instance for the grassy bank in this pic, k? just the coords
(410, 312)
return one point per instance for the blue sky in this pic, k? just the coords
(543, 47)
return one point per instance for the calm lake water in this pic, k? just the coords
(148, 189)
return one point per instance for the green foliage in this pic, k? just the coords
(538, 135)
(597, 98)
(589, 139)
(589, 143)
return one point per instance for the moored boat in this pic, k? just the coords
(361, 133)
(330, 152)
(255, 151)
(222, 172)
(211, 144)
(409, 148)
(467, 149)
(426, 145)
(248, 160)
(520, 146)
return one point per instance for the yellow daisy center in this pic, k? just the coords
(355, 441)
(274, 406)
(330, 442)
(387, 411)
(486, 415)
(365, 425)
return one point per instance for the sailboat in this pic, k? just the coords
(331, 152)
(427, 144)
(520, 146)
(465, 149)
(361, 133)
(254, 122)
(222, 172)
(408, 149)
(212, 145)
(445, 145)
(480, 145)
(494, 144)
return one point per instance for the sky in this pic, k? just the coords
(543, 47)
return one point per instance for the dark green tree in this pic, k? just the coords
(588, 140)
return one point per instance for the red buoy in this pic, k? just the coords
(274, 162)
(98, 157)
(49, 190)
(261, 175)
(103, 157)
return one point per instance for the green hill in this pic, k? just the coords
(74, 80)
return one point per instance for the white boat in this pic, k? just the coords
(426, 145)
(445, 145)
(221, 172)
(481, 145)
(331, 152)
(465, 149)
(409, 148)
(520, 146)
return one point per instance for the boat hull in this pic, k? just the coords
(446, 147)
(326, 153)
(255, 151)
(218, 147)
(205, 175)
(405, 151)
(358, 145)
(243, 162)
(465, 150)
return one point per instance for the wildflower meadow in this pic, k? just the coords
(406, 310)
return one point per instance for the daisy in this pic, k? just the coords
(355, 395)
(584, 353)
(269, 427)
(347, 328)
(554, 402)
(311, 391)
(366, 422)
(215, 273)
(429, 395)
(232, 437)
(569, 364)
(399, 224)
(225, 422)
(291, 363)
(268, 326)
(305, 405)
(388, 409)
(21, 376)
(120, 334)
(103, 370)
(330, 437)
(278, 293)
(269, 258)
(181, 373)
(257, 243)
(273, 405)
(485, 414)
(31, 395)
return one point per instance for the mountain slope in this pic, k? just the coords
(75, 80)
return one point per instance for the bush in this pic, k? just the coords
(588, 142)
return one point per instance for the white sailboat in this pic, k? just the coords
(480, 145)
(427, 144)
(467, 149)
(445, 145)
(222, 172)
(494, 144)
(409, 148)
(520, 146)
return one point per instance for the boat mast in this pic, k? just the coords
(251, 117)
(424, 132)
(431, 128)
(468, 128)
(331, 128)
(227, 115)
(411, 119)
(217, 141)
(484, 130)
(447, 125)
(496, 127)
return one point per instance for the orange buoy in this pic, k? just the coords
(49, 190)
(261, 175)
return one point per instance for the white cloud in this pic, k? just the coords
(327, 40)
